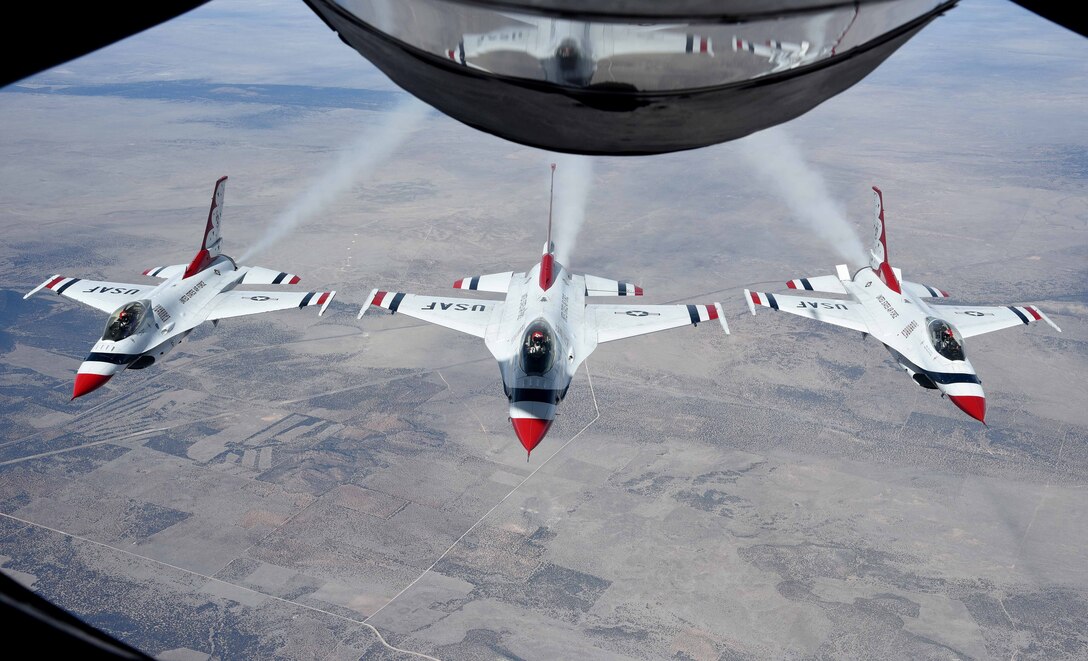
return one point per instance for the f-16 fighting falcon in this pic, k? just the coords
(543, 330)
(926, 341)
(148, 320)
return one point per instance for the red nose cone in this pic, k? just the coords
(972, 406)
(530, 431)
(85, 383)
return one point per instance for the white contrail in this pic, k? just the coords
(573, 181)
(1065, 307)
(780, 164)
(356, 162)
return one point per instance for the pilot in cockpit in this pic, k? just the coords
(537, 342)
(945, 341)
(948, 341)
(124, 321)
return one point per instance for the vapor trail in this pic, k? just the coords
(573, 180)
(356, 162)
(781, 166)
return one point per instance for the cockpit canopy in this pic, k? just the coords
(568, 54)
(538, 348)
(946, 339)
(127, 320)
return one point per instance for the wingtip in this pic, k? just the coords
(366, 303)
(40, 287)
(721, 317)
(748, 300)
(325, 305)
(1046, 318)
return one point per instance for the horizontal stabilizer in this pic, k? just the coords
(493, 282)
(830, 284)
(257, 275)
(923, 291)
(165, 272)
(597, 286)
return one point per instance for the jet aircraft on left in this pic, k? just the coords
(147, 321)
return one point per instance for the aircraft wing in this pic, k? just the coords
(236, 303)
(783, 55)
(468, 315)
(101, 295)
(979, 319)
(833, 311)
(165, 272)
(525, 39)
(618, 40)
(616, 322)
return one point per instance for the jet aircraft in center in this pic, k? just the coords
(544, 329)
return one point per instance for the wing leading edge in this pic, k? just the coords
(236, 303)
(468, 315)
(616, 322)
(98, 294)
(832, 311)
(979, 319)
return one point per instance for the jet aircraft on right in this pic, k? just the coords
(926, 341)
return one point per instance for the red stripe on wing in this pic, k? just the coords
(379, 297)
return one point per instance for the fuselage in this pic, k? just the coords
(924, 344)
(144, 330)
(539, 340)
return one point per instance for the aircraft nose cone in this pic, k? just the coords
(971, 405)
(86, 382)
(530, 431)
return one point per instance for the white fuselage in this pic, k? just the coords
(534, 393)
(174, 309)
(903, 324)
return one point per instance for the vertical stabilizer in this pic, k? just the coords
(213, 238)
(212, 235)
(878, 253)
(549, 247)
(547, 262)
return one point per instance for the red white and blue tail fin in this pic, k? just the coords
(547, 262)
(878, 254)
(213, 238)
